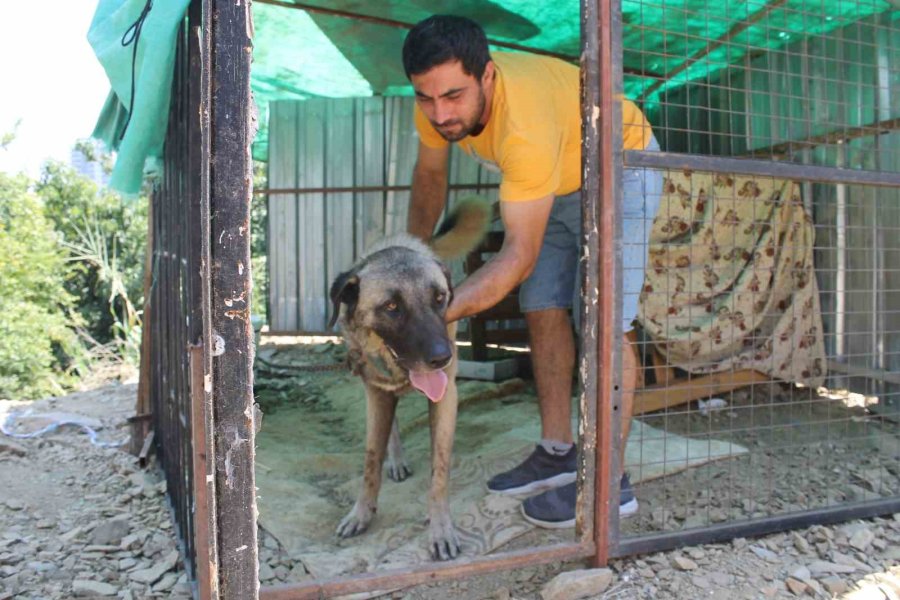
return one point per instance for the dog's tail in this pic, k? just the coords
(463, 229)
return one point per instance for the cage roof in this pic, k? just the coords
(309, 52)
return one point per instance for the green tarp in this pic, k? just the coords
(142, 143)
(299, 54)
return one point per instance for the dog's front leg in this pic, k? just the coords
(397, 468)
(444, 543)
(380, 407)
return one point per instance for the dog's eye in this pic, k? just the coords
(439, 297)
(391, 307)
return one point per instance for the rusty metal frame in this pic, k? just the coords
(228, 113)
(221, 376)
(369, 188)
(599, 420)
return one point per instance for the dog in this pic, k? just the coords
(390, 306)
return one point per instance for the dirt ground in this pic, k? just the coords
(84, 521)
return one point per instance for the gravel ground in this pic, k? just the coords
(84, 521)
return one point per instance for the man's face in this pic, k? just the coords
(452, 100)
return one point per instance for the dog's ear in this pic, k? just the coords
(344, 290)
(446, 271)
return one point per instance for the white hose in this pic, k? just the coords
(6, 426)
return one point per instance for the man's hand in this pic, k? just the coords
(429, 191)
(525, 223)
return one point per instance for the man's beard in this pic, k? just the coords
(473, 127)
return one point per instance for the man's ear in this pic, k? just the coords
(344, 290)
(488, 75)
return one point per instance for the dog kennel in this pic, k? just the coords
(769, 337)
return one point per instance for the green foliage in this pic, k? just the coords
(71, 277)
(37, 344)
(106, 237)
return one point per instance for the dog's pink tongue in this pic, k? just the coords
(431, 383)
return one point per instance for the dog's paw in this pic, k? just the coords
(356, 521)
(397, 470)
(443, 542)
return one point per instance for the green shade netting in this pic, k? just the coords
(142, 142)
(299, 54)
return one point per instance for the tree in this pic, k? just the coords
(37, 345)
(106, 237)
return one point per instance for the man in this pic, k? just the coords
(520, 114)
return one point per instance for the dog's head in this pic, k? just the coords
(400, 295)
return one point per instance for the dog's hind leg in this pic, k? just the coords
(443, 541)
(397, 468)
(380, 407)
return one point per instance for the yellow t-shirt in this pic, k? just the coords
(533, 136)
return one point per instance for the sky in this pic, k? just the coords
(51, 80)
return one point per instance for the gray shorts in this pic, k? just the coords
(554, 283)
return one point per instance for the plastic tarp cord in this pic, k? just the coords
(140, 148)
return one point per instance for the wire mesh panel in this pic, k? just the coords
(767, 342)
(176, 313)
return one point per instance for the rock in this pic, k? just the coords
(820, 567)
(501, 593)
(800, 543)
(131, 541)
(166, 583)
(862, 538)
(41, 567)
(835, 585)
(801, 573)
(111, 532)
(701, 582)
(71, 534)
(265, 572)
(696, 553)
(13, 504)
(582, 583)
(154, 573)
(12, 447)
(797, 587)
(846, 559)
(85, 588)
(764, 554)
(101, 549)
(683, 563)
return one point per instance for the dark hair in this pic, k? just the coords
(444, 38)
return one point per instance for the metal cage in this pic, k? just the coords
(783, 112)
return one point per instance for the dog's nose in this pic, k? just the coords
(440, 355)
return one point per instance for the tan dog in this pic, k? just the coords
(391, 308)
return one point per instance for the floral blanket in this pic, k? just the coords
(730, 281)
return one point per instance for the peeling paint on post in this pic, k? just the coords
(590, 271)
(231, 130)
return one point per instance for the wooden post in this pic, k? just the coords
(228, 333)
(140, 423)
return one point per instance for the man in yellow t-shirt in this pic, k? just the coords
(520, 115)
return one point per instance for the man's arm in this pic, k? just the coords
(525, 223)
(429, 191)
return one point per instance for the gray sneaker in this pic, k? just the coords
(540, 471)
(555, 509)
